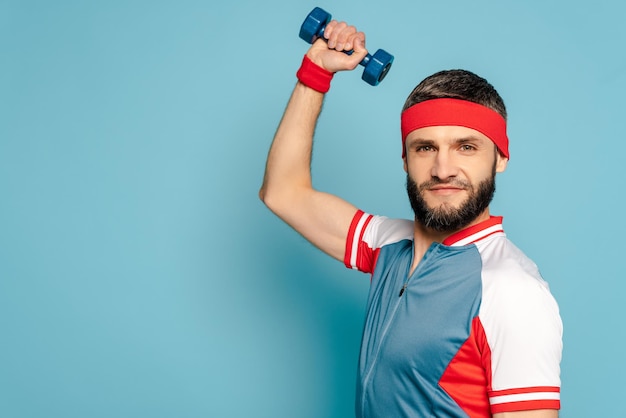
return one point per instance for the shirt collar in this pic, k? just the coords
(475, 233)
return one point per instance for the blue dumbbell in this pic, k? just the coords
(376, 66)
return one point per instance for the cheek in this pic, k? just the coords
(477, 178)
(418, 174)
(484, 174)
(480, 170)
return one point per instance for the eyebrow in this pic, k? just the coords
(458, 141)
(420, 141)
(470, 138)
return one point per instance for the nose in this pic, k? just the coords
(444, 166)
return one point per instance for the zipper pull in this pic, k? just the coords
(402, 290)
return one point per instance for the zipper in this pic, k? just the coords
(403, 289)
(367, 376)
(384, 334)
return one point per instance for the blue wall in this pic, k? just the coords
(140, 276)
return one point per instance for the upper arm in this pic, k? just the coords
(321, 218)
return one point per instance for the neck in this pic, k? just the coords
(424, 237)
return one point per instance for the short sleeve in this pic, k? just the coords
(524, 332)
(368, 234)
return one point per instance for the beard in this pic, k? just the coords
(446, 218)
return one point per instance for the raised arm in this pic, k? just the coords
(287, 188)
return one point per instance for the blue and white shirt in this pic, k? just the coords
(473, 331)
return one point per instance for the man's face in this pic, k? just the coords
(451, 176)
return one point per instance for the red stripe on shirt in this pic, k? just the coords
(531, 389)
(458, 236)
(526, 406)
(350, 238)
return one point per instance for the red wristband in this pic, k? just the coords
(314, 76)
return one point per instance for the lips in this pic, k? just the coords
(446, 188)
(436, 187)
(445, 191)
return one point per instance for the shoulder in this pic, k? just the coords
(368, 234)
(520, 316)
(507, 268)
(522, 325)
(377, 231)
(516, 298)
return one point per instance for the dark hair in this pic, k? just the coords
(457, 84)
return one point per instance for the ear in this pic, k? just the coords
(501, 162)
(406, 168)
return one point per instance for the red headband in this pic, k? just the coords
(456, 112)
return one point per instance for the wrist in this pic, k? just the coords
(314, 76)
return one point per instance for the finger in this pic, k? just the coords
(359, 51)
(335, 30)
(355, 42)
(358, 43)
(343, 38)
(328, 29)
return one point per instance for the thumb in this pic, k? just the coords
(359, 50)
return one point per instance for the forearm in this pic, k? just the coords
(288, 166)
(289, 160)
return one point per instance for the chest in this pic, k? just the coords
(418, 322)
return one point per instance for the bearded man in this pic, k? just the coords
(459, 321)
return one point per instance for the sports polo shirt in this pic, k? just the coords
(473, 331)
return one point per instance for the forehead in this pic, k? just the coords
(447, 134)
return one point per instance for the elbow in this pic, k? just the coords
(282, 196)
(276, 199)
(267, 197)
(263, 194)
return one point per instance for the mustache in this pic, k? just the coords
(435, 181)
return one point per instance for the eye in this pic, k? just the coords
(424, 148)
(467, 147)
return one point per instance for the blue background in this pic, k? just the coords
(140, 276)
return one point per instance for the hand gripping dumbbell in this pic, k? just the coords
(376, 66)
